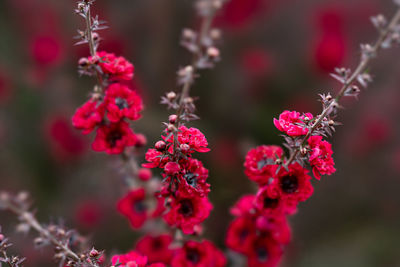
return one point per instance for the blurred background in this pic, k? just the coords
(276, 55)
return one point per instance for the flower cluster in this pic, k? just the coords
(108, 111)
(260, 229)
(184, 187)
(112, 101)
(160, 252)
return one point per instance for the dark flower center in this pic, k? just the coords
(193, 256)
(121, 103)
(191, 179)
(243, 234)
(113, 137)
(270, 203)
(139, 207)
(186, 208)
(289, 184)
(262, 254)
(157, 244)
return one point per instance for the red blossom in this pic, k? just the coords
(293, 184)
(88, 116)
(288, 123)
(240, 235)
(133, 206)
(191, 137)
(122, 102)
(265, 252)
(260, 163)
(132, 259)
(198, 254)
(244, 205)
(187, 211)
(114, 138)
(269, 202)
(156, 248)
(320, 157)
(172, 168)
(155, 159)
(117, 67)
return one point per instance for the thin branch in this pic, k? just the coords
(366, 57)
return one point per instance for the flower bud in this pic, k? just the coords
(171, 128)
(213, 52)
(160, 145)
(83, 62)
(172, 118)
(144, 174)
(184, 148)
(172, 168)
(94, 253)
(140, 140)
(171, 95)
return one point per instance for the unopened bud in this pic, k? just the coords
(140, 140)
(83, 62)
(303, 150)
(184, 148)
(172, 118)
(213, 52)
(188, 34)
(278, 161)
(217, 4)
(81, 7)
(215, 34)
(160, 145)
(171, 128)
(188, 100)
(94, 253)
(95, 36)
(171, 95)
(1, 237)
(331, 122)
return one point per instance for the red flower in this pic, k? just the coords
(191, 137)
(172, 168)
(187, 211)
(132, 259)
(274, 227)
(122, 102)
(155, 159)
(198, 254)
(46, 50)
(88, 116)
(320, 157)
(265, 252)
(194, 138)
(260, 163)
(194, 177)
(244, 206)
(65, 143)
(156, 248)
(293, 185)
(289, 123)
(268, 202)
(240, 235)
(330, 51)
(114, 138)
(117, 67)
(144, 174)
(133, 206)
